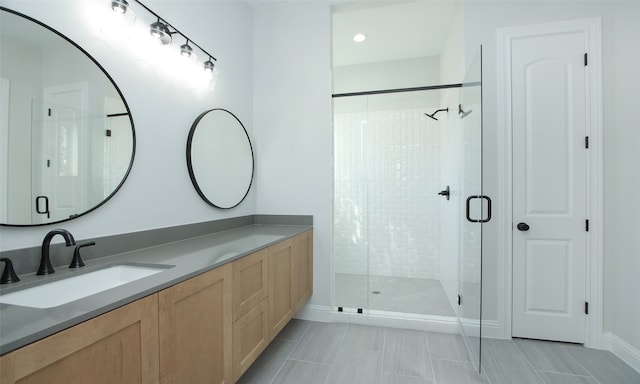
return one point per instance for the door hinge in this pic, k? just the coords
(586, 141)
(459, 300)
(108, 133)
(49, 112)
(586, 61)
(586, 225)
(586, 307)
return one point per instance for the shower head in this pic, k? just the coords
(462, 113)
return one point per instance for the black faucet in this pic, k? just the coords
(45, 262)
(9, 274)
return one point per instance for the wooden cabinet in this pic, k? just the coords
(279, 272)
(120, 346)
(208, 329)
(301, 270)
(249, 282)
(250, 337)
(195, 329)
(250, 310)
(290, 279)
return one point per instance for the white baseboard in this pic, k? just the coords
(622, 349)
(491, 329)
(399, 320)
(310, 312)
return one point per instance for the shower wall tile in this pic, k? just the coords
(451, 213)
(387, 176)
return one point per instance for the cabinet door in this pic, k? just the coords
(120, 346)
(249, 282)
(301, 270)
(279, 275)
(195, 329)
(250, 338)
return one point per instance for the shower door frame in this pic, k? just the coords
(389, 91)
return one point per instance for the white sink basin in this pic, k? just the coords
(74, 288)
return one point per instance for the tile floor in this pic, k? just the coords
(394, 294)
(308, 352)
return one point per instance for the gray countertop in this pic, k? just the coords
(20, 325)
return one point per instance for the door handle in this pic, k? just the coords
(522, 227)
(468, 209)
(46, 206)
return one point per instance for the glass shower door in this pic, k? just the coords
(351, 204)
(477, 209)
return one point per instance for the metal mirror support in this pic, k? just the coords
(67, 141)
(220, 158)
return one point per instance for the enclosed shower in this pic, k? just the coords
(390, 152)
(409, 207)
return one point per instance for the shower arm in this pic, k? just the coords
(433, 115)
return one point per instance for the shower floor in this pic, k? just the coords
(394, 294)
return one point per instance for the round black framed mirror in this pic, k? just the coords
(220, 158)
(67, 139)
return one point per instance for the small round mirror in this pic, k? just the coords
(220, 158)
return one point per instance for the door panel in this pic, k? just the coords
(551, 259)
(475, 207)
(549, 180)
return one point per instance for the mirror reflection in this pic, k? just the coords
(220, 158)
(66, 133)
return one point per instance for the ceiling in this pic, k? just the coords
(394, 30)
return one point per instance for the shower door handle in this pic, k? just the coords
(468, 210)
(44, 211)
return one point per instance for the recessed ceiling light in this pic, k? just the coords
(359, 38)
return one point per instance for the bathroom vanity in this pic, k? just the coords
(187, 304)
(205, 318)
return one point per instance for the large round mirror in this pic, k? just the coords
(66, 134)
(220, 158)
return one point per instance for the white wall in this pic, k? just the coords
(292, 114)
(158, 192)
(621, 76)
(394, 74)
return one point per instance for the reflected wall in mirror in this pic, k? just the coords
(220, 158)
(67, 141)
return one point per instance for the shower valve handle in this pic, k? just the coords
(446, 193)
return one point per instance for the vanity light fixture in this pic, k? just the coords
(163, 31)
(185, 49)
(208, 65)
(120, 6)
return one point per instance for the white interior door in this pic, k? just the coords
(60, 173)
(549, 181)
